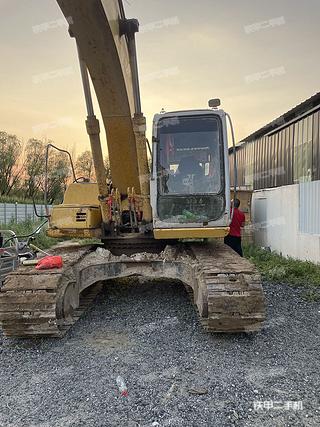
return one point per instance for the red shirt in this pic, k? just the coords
(237, 222)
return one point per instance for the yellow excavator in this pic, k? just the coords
(167, 222)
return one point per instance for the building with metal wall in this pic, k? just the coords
(281, 163)
(284, 152)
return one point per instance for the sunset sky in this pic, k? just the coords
(260, 57)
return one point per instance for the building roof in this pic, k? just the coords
(287, 117)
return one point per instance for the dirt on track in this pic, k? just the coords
(176, 374)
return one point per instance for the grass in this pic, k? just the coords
(27, 227)
(278, 269)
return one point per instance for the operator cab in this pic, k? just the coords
(190, 177)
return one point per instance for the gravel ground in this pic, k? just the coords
(177, 375)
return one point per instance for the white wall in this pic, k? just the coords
(275, 215)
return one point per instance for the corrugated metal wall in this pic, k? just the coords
(316, 146)
(287, 156)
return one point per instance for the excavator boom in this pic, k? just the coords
(95, 25)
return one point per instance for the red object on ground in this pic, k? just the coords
(237, 222)
(49, 262)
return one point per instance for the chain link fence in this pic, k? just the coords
(16, 212)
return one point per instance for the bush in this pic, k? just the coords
(26, 228)
(278, 269)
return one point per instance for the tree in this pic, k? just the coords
(37, 181)
(84, 165)
(23, 167)
(10, 162)
(35, 167)
(58, 176)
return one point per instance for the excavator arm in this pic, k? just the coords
(96, 26)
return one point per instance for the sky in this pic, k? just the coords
(261, 58)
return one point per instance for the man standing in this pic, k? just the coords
(234, 237)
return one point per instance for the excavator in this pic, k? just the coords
(163, 215)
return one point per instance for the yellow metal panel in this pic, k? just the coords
(76, 217)
(190, 233)
(75, 234)
(82, 194)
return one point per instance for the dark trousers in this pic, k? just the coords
(234, 243)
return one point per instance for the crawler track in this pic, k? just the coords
(232, 298)
(226, 288)
(37, 303)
